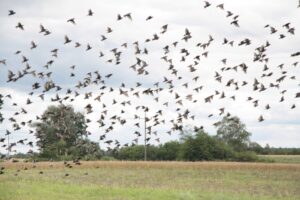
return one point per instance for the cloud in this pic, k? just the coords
(253, 16)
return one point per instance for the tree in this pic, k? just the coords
(86, 149)
(61, 132)
(202, 146)
(169, 150)
(233, 132)
(1, 103)
(254, 146)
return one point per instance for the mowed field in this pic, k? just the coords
(282, 158)
(117, 180)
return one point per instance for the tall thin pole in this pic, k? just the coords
(145, 133)
(8, 147)
(145, 138)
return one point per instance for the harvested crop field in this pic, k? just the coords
(149, 180)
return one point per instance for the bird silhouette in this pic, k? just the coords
(20, 26)
(90, 12)
(67, 40)
(11, 12)
(72, 21)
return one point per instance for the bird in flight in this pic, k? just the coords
(90, 12)
(11, 12)
(71, 20)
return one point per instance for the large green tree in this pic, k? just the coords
(233, 132)
(202, 146)
(62, 132)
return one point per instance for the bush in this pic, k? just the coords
(169, 151)
(108, 158)
(246, 156)
(204, 147)
(131, 153)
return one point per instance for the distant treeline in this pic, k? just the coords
(62, 135)
(275, 151)
(196, 147)
(200, 147)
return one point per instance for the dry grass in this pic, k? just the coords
(94, 180)
(155, 164)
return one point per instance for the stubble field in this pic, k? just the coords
(118, 180)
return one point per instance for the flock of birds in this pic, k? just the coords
(45, 87)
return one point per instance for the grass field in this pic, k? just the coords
(117, 180)
(282, 158)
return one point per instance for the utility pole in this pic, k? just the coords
(145, 132)
(145, 138)
(8, 147)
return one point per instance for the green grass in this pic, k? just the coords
(282, 158)
(127, 182)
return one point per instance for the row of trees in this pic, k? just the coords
(191, 147)
(267, 150)
(62, 135)
(232, 142)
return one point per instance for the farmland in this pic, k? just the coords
(150, 180)
(282, 158)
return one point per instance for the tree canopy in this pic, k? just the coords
(202, 146)
(62, 132)
(233, 132)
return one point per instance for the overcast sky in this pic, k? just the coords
(281, 127)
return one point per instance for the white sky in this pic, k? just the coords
(281, 126)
